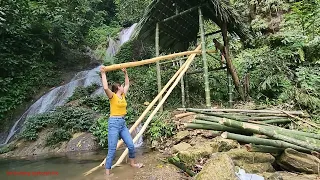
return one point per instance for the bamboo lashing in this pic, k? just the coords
(134, 126)
(152, 60)
(188, 62)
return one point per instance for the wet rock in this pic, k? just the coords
(293, 176)
(220, 144)
(192, 154)
(272, 176)
(181, 147)
(293, 160)
(82, 142)
(198, 140)
(180, 136)
(219, 167)
(252, 162)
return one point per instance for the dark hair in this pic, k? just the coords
(115, 87)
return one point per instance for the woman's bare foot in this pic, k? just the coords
(137, 165)
(108, 172)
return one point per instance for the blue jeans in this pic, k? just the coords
(117, 126)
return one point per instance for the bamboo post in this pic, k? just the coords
(229, 89)
(158, 63)
(149, 61)
(188, 62)
(187, 90)
(204, 58)
(150, 106)
(183, 99)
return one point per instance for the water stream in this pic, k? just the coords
(70, 167)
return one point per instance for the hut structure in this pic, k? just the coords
(172, 25)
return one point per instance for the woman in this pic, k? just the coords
(116, 124)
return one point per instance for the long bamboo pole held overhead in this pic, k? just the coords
(188, 62)
(149, 61)
(142, 116)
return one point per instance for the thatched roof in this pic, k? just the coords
(178, 33)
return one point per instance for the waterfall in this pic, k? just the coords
(58, 96)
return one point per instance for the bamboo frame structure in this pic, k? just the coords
(150, 106)
(187, 64)
(204, 58)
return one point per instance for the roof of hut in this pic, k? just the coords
(176, 34)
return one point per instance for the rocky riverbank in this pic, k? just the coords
(212, 157)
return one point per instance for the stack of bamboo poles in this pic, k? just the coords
(246, 126)
(175, 80)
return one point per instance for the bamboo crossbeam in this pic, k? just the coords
(182, 13)
(187, 64)
(150, 106)
(152, 60)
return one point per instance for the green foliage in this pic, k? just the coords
(130, 11)
(58, 136)
(39, 37)
(6, 148)
(100, 130)
(68, 119)
(99, 104)
(99, 35)
(161, 127)
(133, 50)
(81, 92)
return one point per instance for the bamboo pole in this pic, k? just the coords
(184, 115)
(149, 61)
(188, 62)
(229, 63)
(183, 99)
(204, 58)
(243, 110)
(300, 119)
(150, 106)
(158, 63)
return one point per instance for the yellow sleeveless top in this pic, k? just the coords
(118, 106)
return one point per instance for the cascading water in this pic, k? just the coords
(59, 95)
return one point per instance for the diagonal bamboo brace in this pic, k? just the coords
(187, 64)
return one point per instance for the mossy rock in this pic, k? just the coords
(218, 167)
(244, 156)
(180, 136)
(255, 167)
(252, 162)
(181, 147)
(271, 176)
(220, 144)
(192, 154)
(293, 160)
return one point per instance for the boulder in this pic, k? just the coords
(218, 167)
(252, 162)
(220, 144)
(272, 176)
(293, 176)
(181, 135)
(181, 147)
(82, 142)
(293, 160)
(192, 154)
